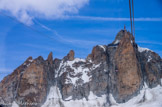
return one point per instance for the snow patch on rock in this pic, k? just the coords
(96, 66)
(140, 49)
(112, 100)
(117, 41)
(102, 47)
(14, 104)
(149, 59)
(30, 60)
(72, 77)
(69, 98)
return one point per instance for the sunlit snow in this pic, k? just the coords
(14, 104)
(146, 98)
(54, 100)
(117, 41)
(140, 49)
(102, 47)
(149, 59)
(81, 69)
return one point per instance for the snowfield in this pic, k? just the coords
(147, 98)
(54, 99)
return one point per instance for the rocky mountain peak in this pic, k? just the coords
(113, 73)
(98, 54)
(127, 67)
(50, 58)
(70, 56)
(29, 58)
(121, 35)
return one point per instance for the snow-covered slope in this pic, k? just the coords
(54, 99)
(147, 98)
(76, 70)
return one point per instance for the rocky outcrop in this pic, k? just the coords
(70, 56)
(9, 85)
(125, 77)
(119, 69)
(151, 67)
(33, 83)
(98, 54)
(50, 58)
(127, 68)
(28, 83)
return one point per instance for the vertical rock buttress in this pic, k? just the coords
(125, 70)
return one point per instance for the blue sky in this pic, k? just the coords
(80, 26)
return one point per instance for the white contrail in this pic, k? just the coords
(62, 39)
(112, 18)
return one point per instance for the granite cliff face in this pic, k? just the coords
(115, 72)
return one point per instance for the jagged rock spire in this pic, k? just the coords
(121, 34)
(127, 66)
(50, 58)
(70, 56)
(98, 54)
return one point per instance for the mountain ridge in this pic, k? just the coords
(117, 70)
